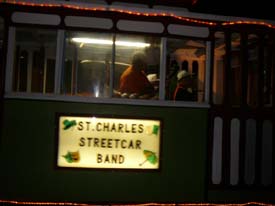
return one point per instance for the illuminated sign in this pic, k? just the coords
(97, 142)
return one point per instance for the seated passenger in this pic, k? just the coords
(172, 79)
(185, 87)
(133, 81)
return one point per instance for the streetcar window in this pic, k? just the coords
(235, 71)
(219, 68)
(1, 48)
(91, 68)
(268, 72)
(132, 51)
(185, 72)
(34, 66)
(88, 57)
(101, 65)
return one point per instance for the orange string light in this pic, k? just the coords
(248, 22)
(76, 7)
(186, 19)
(144, 204)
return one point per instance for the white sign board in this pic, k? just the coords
(96, 142)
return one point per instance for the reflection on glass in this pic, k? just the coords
(88, 57)
(34, 65)
(253, 73)
(235, 84)
(185, 75)
(137, 61)
(267, 81)
(218, 70)
(1, 47)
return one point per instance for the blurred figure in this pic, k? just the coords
(172, 79)
(133, 80)
(185, 87)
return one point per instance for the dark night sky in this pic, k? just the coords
(262, 9)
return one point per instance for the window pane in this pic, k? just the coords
(218, 70)
(1, 49)
(267, 91)
(87, 62)
(137, 61)
(253, 73)
(185, 75)
(34, 60)
(236, 84)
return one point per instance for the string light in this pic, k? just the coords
(248, 22)
(145, 204)
(186, 19)
(77, 7)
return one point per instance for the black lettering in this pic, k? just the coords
(109, 143)
(134, 128)
(113, 129)
(89, 141)
(80, 125)
(121, 159)
(81, 142)
(126, 128)
(103, 142)
(96, 141)
(114, 158)
(117, 140)
(99, 158)
(122, 143)
(131, 146)
(107, 159)
(106, 126)
(138, 143)
(140, 128)
(98, 126)
(110, 158)
(88, 125)
(120, 127)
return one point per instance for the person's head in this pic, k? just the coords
(139, 61)
(185, 78)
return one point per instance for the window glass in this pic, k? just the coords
(34, 65)
(218, 69)
(185, 72)
(267, 81)
(137, 60)
(235, 84)
(1, 49)
(88, 57)
(253, 71)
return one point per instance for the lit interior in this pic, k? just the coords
(109, 42)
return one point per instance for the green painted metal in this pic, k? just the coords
(29, 143)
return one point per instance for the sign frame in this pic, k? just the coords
(114, 117)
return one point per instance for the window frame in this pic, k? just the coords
(57, 96)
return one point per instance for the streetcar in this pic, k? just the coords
(71, 134)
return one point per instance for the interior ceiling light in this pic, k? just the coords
(110, 42)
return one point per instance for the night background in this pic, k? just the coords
(254, 9)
